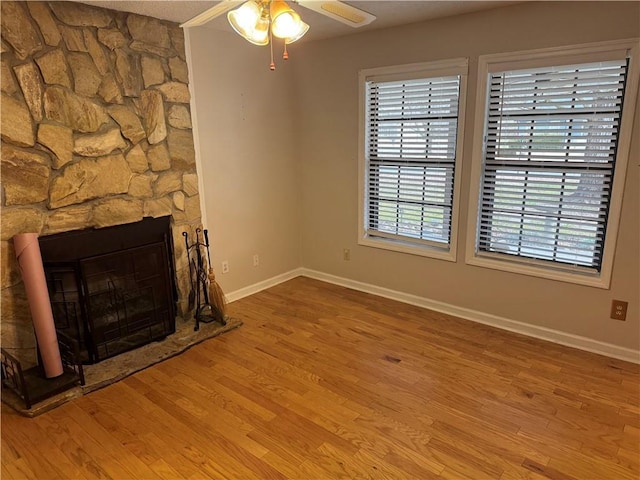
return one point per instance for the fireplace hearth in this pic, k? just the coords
(112, 289)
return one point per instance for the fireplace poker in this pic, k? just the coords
(192, 293)
(201, 274)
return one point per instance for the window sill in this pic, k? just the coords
(406, 247)
(531, 269)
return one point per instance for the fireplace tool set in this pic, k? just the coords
(206, 295)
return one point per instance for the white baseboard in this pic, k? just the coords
(555, 336)
(263, 285)
(543, 333)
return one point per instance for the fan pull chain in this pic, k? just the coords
(272, 67)
(285, 55)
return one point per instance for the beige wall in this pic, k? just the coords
(249, 167)
(296, 203)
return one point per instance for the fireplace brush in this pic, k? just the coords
(216, 295)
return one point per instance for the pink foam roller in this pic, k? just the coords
(30, 261)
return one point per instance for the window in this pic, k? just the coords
(411, 146)
(551, 153)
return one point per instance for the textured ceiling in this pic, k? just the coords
(389, 13)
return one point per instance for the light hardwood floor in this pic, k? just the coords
(325, 382)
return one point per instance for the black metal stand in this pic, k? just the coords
(31, 386)
(205, 311)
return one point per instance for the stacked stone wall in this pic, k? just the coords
(96, 131)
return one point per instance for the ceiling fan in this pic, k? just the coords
(258, 21)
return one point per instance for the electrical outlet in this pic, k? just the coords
(619, 310)
(346, 254)
(256, 260)
(225, 266)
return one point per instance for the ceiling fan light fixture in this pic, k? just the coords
(285, 22)
(258, 21)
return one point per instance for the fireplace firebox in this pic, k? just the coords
(112, 289)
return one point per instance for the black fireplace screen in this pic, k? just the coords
(116, 296)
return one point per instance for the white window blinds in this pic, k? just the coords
(550, 152)
(411, 133)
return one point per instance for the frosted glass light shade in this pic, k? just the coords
(244, 18)
(249, 23)
(303, 30)
(286, 23)
(260, 34)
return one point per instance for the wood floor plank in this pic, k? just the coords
(82, 461)
(36, 450)
(103, 448)
(19, 469)
(164, 470)
(194, 422)
(327, 382)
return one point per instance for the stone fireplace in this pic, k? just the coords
(96, 133)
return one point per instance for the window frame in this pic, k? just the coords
(435, 69)
(539, 58)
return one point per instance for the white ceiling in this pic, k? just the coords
(388, 12)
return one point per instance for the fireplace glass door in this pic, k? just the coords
(127, 298)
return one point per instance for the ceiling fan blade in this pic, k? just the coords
(340, 11)
(215, 11)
